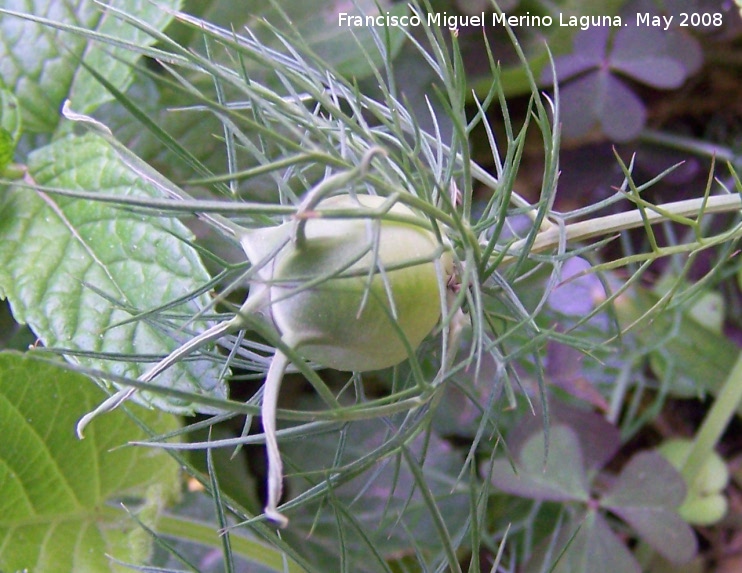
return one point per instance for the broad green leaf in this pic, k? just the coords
(6, 149)
(10, 127)
(10, 115)
(41, 64)
(709, 311)
(113, 62)
(59, 510)
(74, 269)
(561, 478)
(647, 494)
(706, 307)
(599, 440)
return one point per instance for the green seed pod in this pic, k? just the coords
(351, 294)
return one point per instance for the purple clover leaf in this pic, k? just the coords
(590, 546)
(559, 477)
(645, 494)
(600, 99)
(639, 54)
(594, 95)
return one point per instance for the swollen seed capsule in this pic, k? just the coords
(354, 294)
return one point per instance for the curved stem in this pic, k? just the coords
(214, 333)
(114, 401)
(328, 186)
(109, 404)
(268, 413)
(209, 335)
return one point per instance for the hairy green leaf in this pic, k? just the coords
(10, 115)
(73, 270)
(43, 77)
(6, 149)
(55, 515)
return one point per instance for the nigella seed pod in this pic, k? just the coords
(353, 294)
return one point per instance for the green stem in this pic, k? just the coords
(210, 335)
(715, 423)
(689, 145)
(249, 549)
(204, 534)
(603, 226)
(268, 413)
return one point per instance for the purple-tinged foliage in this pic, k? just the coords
(594, 90)
(645, 494)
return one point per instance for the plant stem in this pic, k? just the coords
(268, 414)
(603, 226)
(249, 549)
(689, 145)
(715, 423)
(202, 533)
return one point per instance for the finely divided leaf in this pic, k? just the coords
(348, 48)
(382, 504)
(55, 514)
(74, 269)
